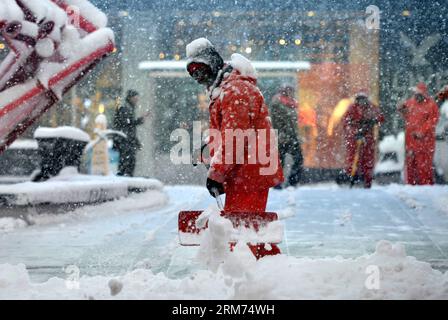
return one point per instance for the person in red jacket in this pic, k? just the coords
(421, 115)
(237, 106)
(442, 95)
(359, 122)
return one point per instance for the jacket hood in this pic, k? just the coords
(243, 66)
(242, 70)
(421, 88)
(236, 75)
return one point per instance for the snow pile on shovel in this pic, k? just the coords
(53, 44)
(215, 241)
(386, 274)
(231, 228)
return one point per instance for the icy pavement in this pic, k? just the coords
(332, 221)
(326, 226)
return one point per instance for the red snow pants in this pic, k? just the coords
(366, 162)
(419, 170)
(238, 200)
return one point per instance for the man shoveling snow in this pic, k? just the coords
(238, 117)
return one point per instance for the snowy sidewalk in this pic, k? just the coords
(331, 221)
(328, 230)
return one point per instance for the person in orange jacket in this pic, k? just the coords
(421, 115)
(236, 104)
(359, 122)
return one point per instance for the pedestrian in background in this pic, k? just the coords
(421, 115)
(359, 123)
(125, 121)
(284, 114)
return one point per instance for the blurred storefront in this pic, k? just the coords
(342, 51)
(345, 54)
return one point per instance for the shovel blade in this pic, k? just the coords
(187, 221)
(189, 233)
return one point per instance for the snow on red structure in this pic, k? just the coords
(53, 44)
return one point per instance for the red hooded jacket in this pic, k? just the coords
(421, 120)
(237, 103)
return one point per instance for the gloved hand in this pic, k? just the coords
(418, 135)
(213, 185)
(360, 137)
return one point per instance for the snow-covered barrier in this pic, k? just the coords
(53, 44)
(391, 161)
(69, 187)
(58, 148)
(25, 157)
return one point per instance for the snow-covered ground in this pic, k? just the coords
(334, 248)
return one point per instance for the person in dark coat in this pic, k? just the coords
(284, 114)
(125, 121)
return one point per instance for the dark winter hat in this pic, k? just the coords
(131, 93)
(287, 86)
(362, 93)
(202, 51)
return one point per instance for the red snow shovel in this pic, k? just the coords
(189, 232)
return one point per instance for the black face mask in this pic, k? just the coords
(203, 76)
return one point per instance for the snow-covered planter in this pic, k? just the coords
(69, 133)
(391, 162)
(58, 148)
(70, 187)
(19, 161)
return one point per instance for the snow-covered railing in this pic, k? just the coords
(53, 44)
(258, 65)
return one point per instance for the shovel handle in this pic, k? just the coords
(355, 162)
(218, 199)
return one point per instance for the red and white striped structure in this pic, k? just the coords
(53, 44)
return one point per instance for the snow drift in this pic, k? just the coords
(241, 277)
(71, 187)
